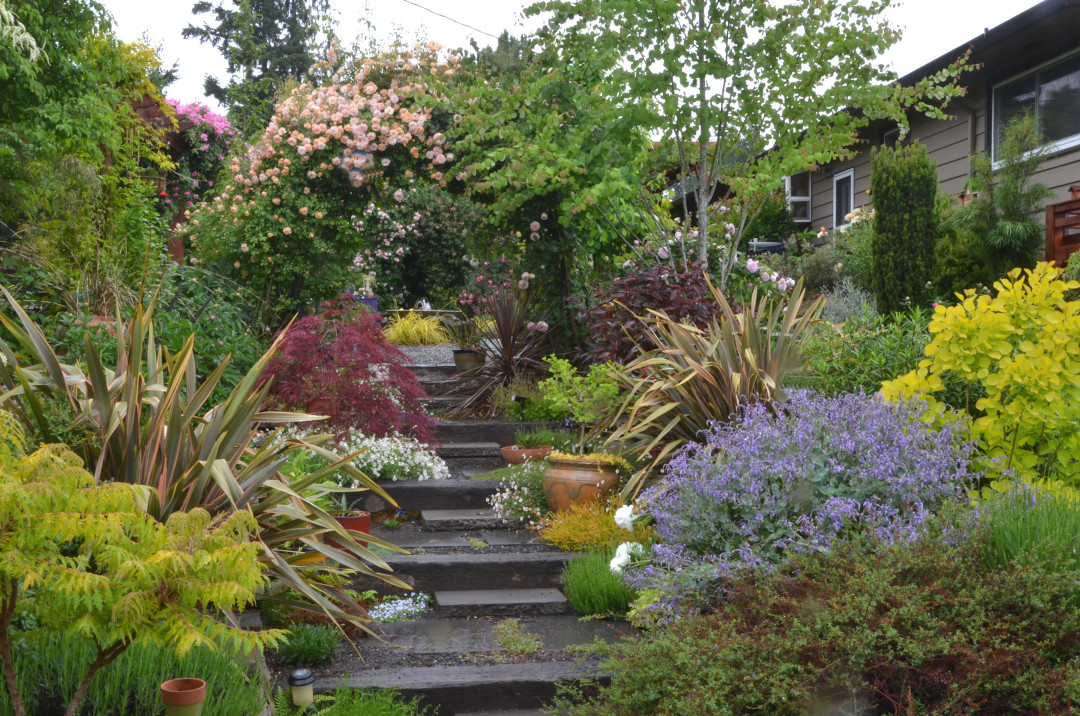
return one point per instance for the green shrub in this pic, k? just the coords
(866, 351)
(593, 589)
(521, 492)
(847, 301)
(923, 627)
(523, 401)
(591, 525)
(49, 668)
(354, 702)
(904, 186)
(309, 644)
(819, 268)
(854, 250)
(562, 440)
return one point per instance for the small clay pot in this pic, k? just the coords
(570, 482)
(183, 697)
(357, 521)
(514, 455)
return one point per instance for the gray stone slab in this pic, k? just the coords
(502, 712)
(469, 449)
(413, 540)
(501, 602)
(458, 520)
(438, 572)
(504, 538)
(449, 636)
(432, 494)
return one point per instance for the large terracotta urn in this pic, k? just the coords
(571, 481)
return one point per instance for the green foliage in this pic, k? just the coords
(752, 111)
(590, 526)
(593, 589)
(309, 644)
(412, 329)
(515, 641)
(1026, 524)
(773, 221)
(904, 185)
(855, 251)
(353, 702)
(534, 437)
(1020, 350)
(586, 398)
(860, 355)
(148, 424)
(695, 376)
(50, 667)
(1003, 214)
(521, 492)
(863, 629)
(85, 557)
(264, 44)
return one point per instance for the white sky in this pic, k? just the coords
(931, 28)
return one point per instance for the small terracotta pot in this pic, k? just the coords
(571, 482)
(319, 406)
(357, 521)
(183, 697)
(515, 455)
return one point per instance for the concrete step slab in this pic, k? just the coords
(432, 495)
(469, 449)
(459, 431)
(435, 635)
(475, 518)
(424, 540)
(503, 712)
(501, 602)
(460, 689)
(424, 372)
(507, 538)
(431, 572)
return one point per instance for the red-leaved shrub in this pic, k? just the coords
(339, 363)
(611, 325)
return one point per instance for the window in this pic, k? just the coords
(843, 184)
(798, 191)
(890, 137)
(1051, 93)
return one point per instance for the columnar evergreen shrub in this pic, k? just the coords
(904, 187)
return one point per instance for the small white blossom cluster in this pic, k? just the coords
(392, 458)
(400, 609)
(625, 554)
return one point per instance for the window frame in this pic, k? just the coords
(1054, 147)
(838, 219)
(799, 199)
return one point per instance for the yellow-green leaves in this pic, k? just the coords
(1022, 348)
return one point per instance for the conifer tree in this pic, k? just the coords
(264, 42)
(904, 187)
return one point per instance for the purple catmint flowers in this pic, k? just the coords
(815, 471)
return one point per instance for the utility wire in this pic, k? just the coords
(446, 17)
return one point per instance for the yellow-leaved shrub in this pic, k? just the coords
(1022, 347)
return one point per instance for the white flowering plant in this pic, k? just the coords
(400, 609)
(393, 458)
(521, 494)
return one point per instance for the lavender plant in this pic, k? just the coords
(815, 471)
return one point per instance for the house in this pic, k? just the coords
(1031, 62)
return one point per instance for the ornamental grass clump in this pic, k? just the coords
(815, 471)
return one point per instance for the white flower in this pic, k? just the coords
(751, 266)
(624, 517)
(624, 555)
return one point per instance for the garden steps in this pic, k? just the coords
(558, 632)
(464, 455)
(456, 540)
(453, 494)
(464, 689)
(475, 518)
(500, 602)
(430, 572)
(465, 431)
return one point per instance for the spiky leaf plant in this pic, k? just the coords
(149, 424)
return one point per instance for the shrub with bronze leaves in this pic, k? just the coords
(341, 359)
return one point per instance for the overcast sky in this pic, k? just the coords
(931, 28)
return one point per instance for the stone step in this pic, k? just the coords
(439, 572)
(439, 402)
(463, 689)
(501, 603)
(503, 712)
(425, 372)
(450, 450)
(434, 635)
(475, 518)
(432, 495)
(459, 431)
(456, 540)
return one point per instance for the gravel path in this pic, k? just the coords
(430, 355)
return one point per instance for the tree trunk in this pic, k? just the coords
(10, 598)
(104, 658)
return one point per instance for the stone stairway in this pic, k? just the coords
(479, 571)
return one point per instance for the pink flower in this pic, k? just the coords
(535, 226)
(663, 252)
(213, 318)
(542, 326)
(751, 266)
(399, 195)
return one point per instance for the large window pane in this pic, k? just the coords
(842, 197)
(1059, 100)
(800, 184)
(1012, 99)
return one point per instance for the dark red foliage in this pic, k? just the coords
(612, 329)
(341, 359)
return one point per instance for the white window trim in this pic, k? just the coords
(836, 178)
(809, 220)
(1051, 148)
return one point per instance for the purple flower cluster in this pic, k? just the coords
(817, 469)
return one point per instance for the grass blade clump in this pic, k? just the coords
(593, 589)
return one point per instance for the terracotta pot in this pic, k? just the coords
(570, 482)
(183, 697)
(357, 521)
(468, 359)
(319, 406)
(514, 455)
